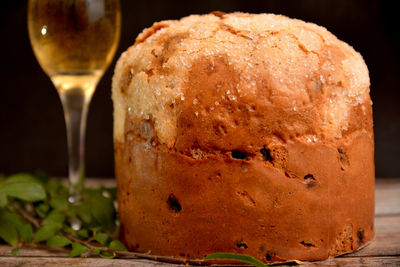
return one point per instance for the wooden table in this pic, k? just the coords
(384, 250)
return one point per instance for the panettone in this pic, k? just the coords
(243, 133)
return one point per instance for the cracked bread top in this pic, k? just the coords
(234, 81)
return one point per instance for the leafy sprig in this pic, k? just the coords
(35, 209)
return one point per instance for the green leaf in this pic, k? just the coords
(58, 241)
(25, 190)
(103, 211)
(116, 244)
(102, 238)
(96, 250)
(42, 210)
(235, 257)
(10, 223)
(55, 188)
(95, 229)
(3, 200)
(107, 255)
(59, 202)
(8, 230)
(26, 232)
(20, 178)
(68, 230)
(84, 213)
(14, 218)
(54, 217)
(84, 233)
(47, 231)
(77, 250)
(15, 251)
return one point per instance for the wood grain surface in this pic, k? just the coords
(384, 250)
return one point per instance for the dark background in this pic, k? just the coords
(32, 131)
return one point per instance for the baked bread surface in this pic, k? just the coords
(243, 133)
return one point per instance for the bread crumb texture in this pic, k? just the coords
(209, 82)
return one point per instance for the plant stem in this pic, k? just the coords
(135, 255)
(28, 217)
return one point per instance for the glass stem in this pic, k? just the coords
(75, 104)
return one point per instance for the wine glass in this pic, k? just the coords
(74, 42)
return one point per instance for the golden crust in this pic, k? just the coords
(288, 63)
(259, 127)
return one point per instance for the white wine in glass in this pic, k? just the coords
(74, 42)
